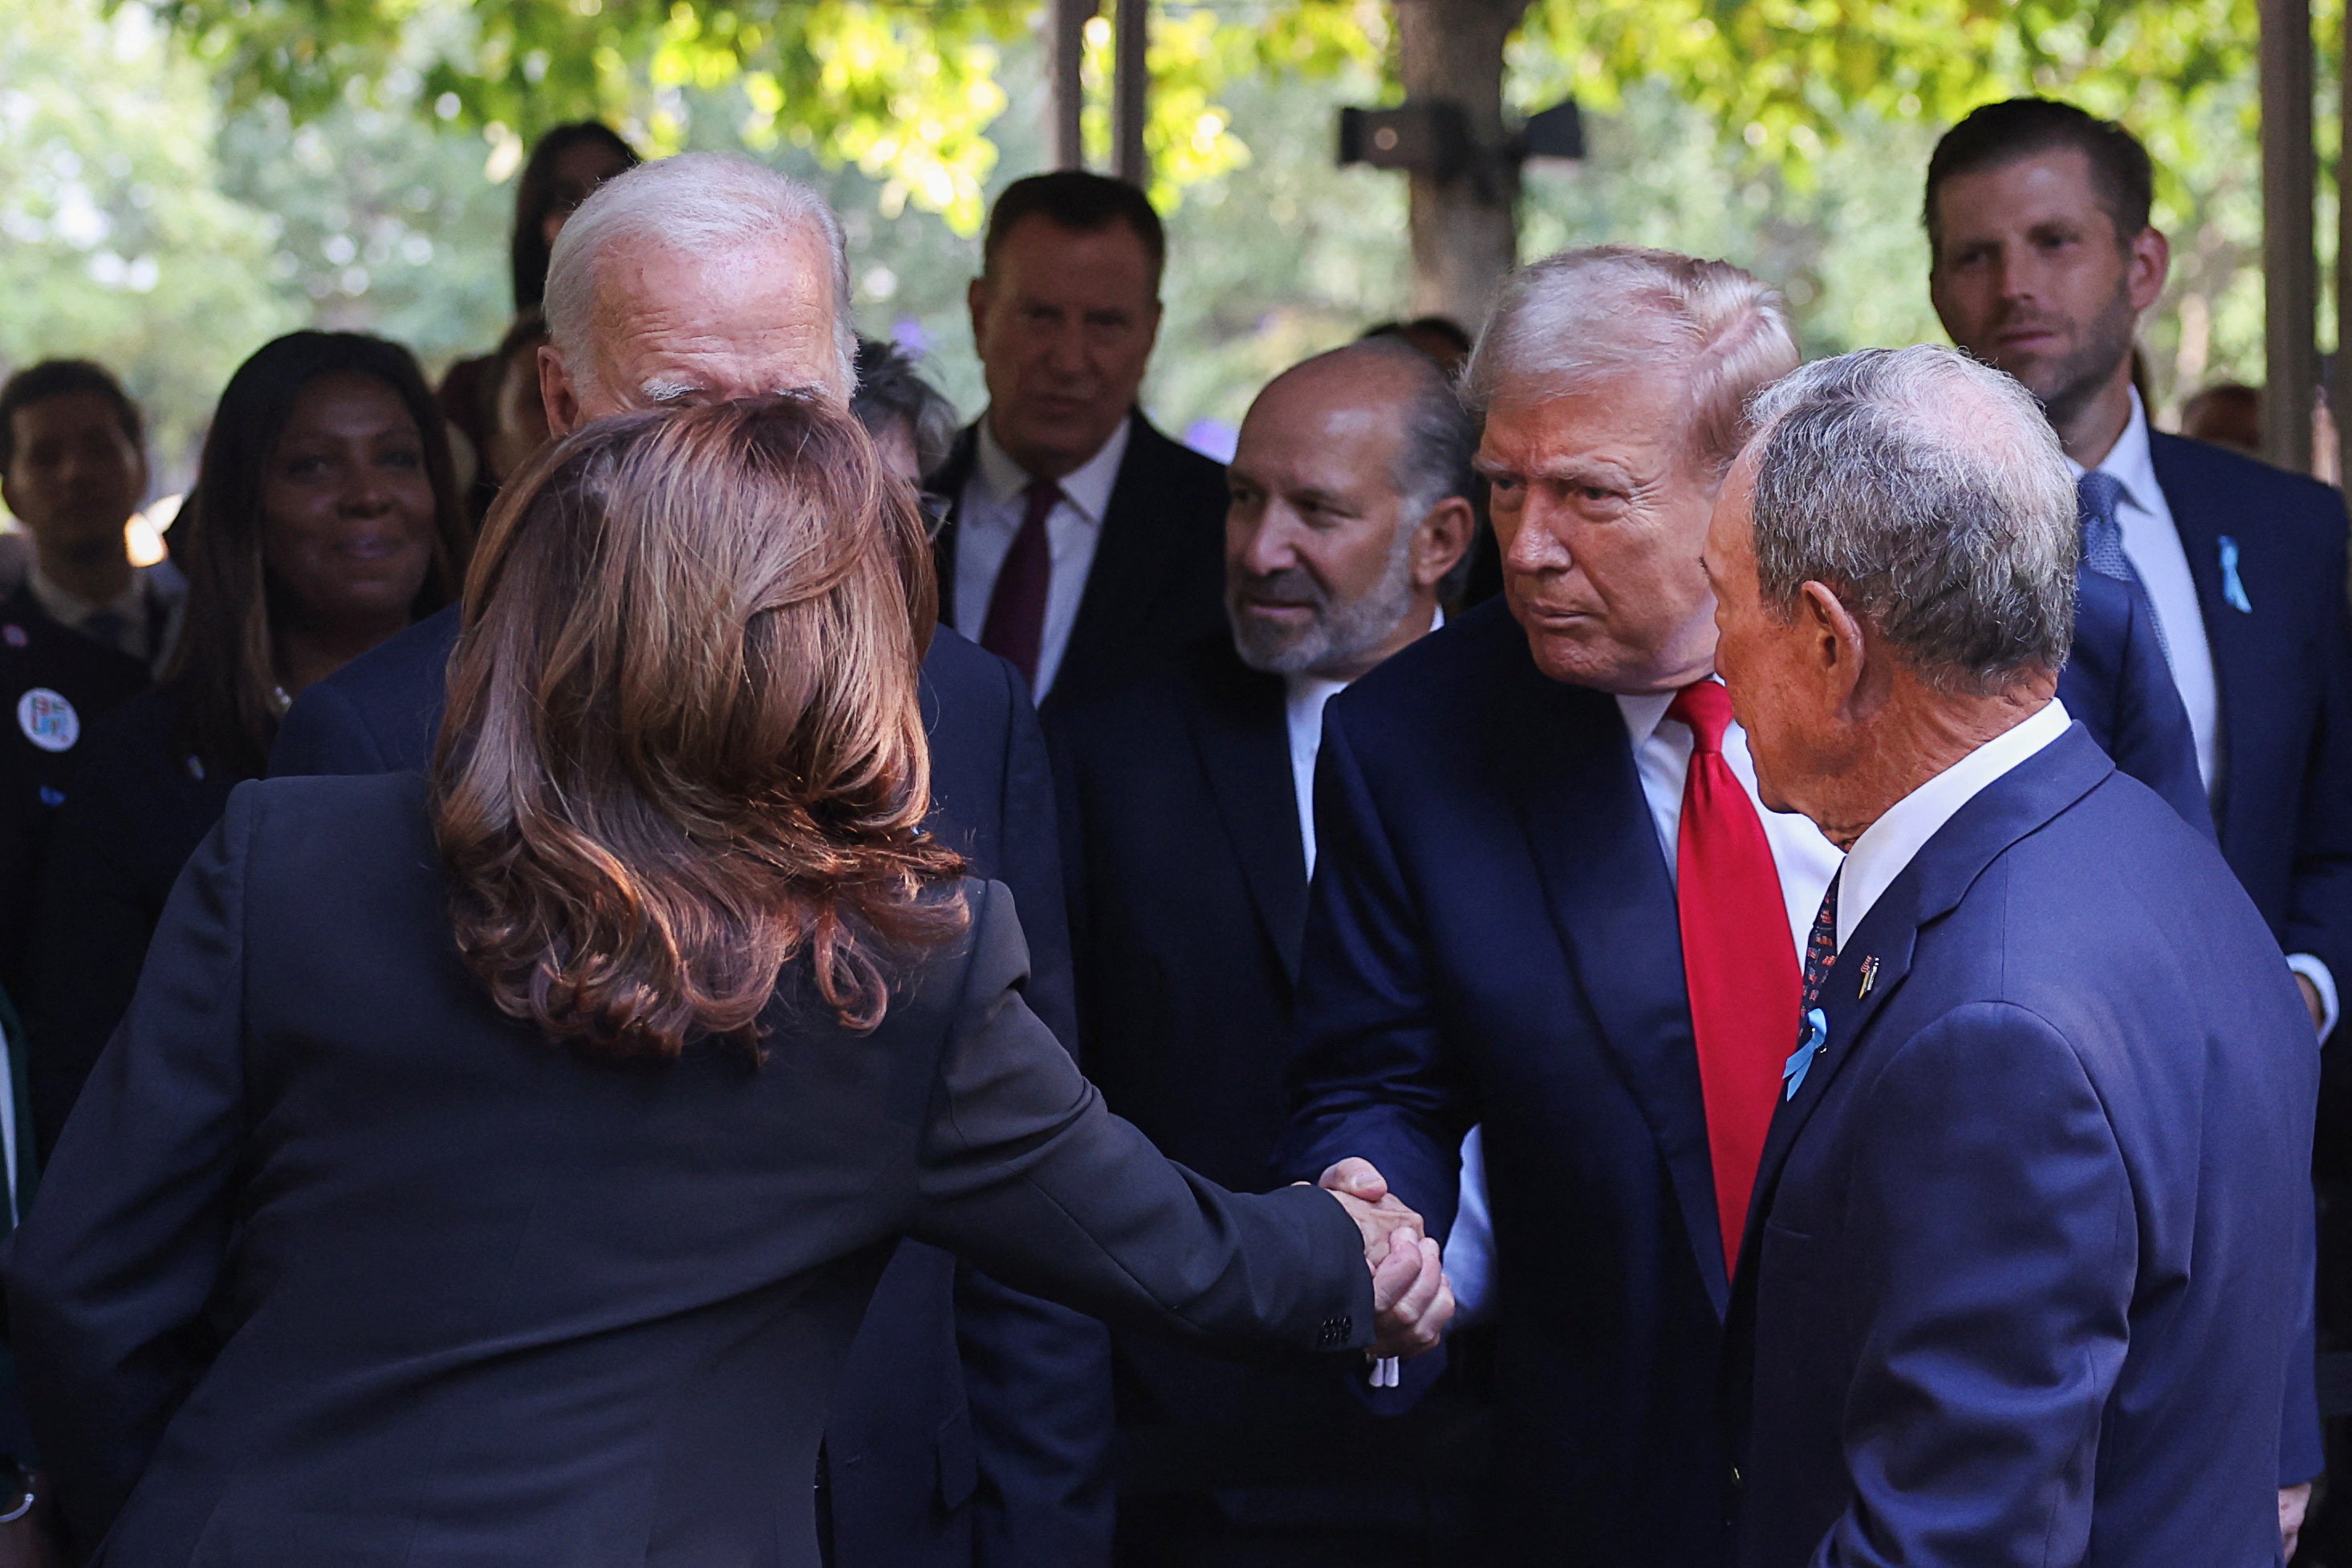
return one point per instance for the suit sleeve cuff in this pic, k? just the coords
(2312, 970)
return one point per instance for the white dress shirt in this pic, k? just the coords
(989, 514)
(2152, 541)
(1304, 697)
(1892, 842)
(1662, 755)
(2153, 544)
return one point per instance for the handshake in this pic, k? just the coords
(1411, 1296)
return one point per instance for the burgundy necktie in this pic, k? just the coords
(1737, 961)
(1015, 628)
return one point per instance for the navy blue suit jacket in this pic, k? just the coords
(1492, 937)
(2285, 801)
(2117, 684)
(972, 1425)
(1188, 898)
(2021, 1271)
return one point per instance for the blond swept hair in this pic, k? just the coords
(1578, 318)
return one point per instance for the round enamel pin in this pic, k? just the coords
(47, 720)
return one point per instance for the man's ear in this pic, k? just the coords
(1840, 653)
(1440, 540)
(556, 397)
(2149, 264)
(976, 297)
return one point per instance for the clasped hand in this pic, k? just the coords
(1411, 1296)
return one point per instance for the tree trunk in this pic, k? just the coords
(1465, 227)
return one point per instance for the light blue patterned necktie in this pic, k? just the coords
(2096, 496)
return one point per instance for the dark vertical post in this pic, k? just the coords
(2290, 263)
(2340, 391)
(1130, 99)
(1065, 48)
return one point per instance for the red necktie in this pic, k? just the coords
(1737, 961)
(1015, 628)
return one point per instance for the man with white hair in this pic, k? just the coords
(1549, 902)
(972, 1425)
(2024, 1263)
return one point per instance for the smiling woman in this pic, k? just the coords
(324, 520)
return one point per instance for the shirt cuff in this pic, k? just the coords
(2311, 969)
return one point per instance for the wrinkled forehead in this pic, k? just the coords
(1637, 418)
(674, 326)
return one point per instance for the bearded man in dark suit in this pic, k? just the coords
(1189, 837)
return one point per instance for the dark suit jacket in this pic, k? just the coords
(975, 1424)
(1188, 898)
(337, 1262)
(2117, 684)
(139, 808)
(2285, 805)
(37, 653)
(1158, 581)
(1492, 937)
(2021, 1267)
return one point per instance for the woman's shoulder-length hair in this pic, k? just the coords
(684, 745)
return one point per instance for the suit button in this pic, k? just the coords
(1737, 1480)
(1334, 1332)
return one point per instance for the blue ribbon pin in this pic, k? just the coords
(2233, 590)
(1801, 1060)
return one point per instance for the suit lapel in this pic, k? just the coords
(1241, 729)
(1595, 846)
(1130, 556)
(2013, 805)
(2197, 516)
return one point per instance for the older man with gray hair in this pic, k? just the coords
(973, 1425)
(2032, 1226)
(1549, 902)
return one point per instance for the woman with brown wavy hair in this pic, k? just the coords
(493, 1168)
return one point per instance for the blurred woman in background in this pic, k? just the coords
(323, 520)
(567, 164)
(494, 1168)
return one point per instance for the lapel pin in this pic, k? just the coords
(1869, 978)
(2233, 589)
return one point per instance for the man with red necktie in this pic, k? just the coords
(1080, 544)
(1549, 902)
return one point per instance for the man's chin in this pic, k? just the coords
(1276, 650)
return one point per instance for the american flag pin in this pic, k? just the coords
(1869, 978)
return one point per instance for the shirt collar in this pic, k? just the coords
(2128, 462)
(1645, 713)
(1891, 843)
(1085, 489)
(69, 609)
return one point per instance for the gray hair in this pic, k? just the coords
(704, 201)
(1930, 491)
(1580, 318)
(891, 391)
(1433, 462)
